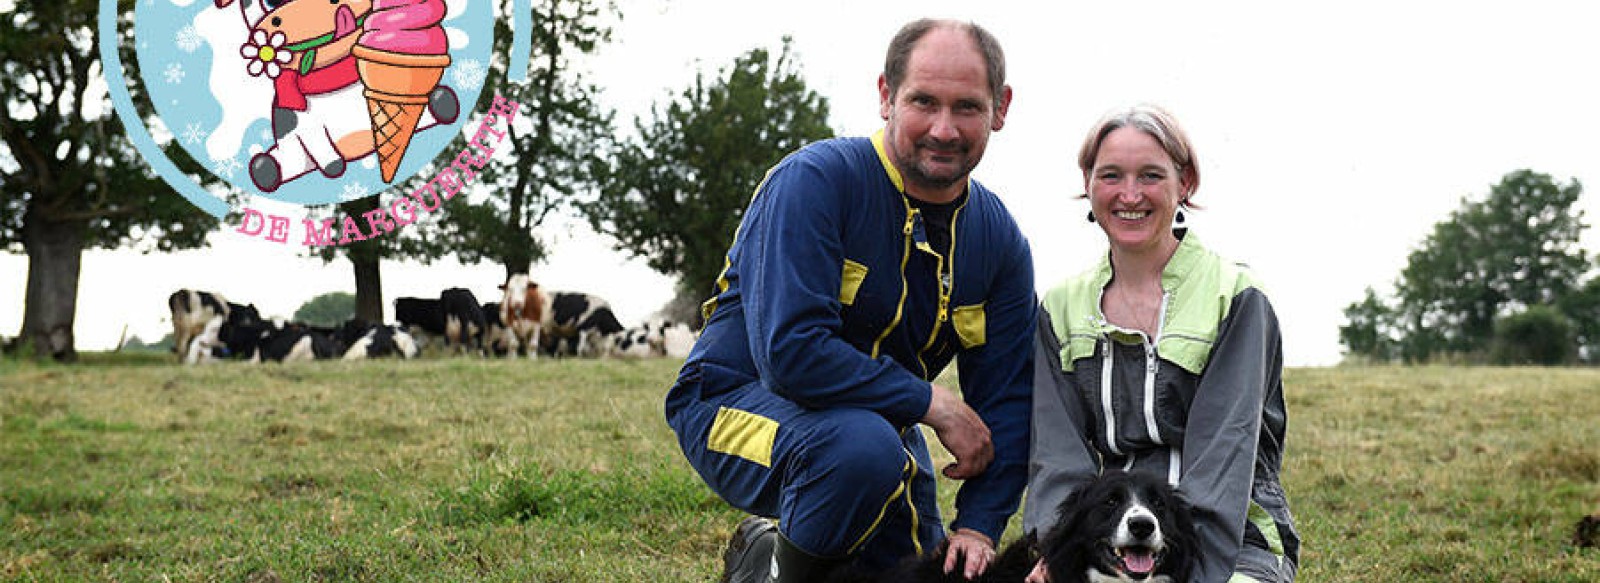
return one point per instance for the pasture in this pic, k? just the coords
(132, 468)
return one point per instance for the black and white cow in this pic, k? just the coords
(191, 311)
(498, 339)
(463, 319)
(634, 342)
(295, 341)
(677, 339)
(577, 324)
(233, 335)
(421, 314)
(654, 338)
(380, 340)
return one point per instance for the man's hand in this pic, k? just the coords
(962, 432)
(969, 549)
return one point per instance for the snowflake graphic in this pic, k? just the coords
(352, 190)
(193, 135)
(225, 167)
(173, 74)
(468, 74)
(189, 39)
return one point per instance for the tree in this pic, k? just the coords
(1516, 249)
(365, 257)
(554, 152)
(329, 309)
(1537, 335)
(1582, 309)
(675, 195)
(69, 178)
(1369, 333)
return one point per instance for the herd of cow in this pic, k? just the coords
(526, 321)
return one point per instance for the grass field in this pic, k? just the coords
(128, 468)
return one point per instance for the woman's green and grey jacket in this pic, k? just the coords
(1201, 403)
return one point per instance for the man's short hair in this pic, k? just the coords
(894, 64)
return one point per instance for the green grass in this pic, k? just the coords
(129, 468)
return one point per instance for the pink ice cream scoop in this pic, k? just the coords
(406, 26)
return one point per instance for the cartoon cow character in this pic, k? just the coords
(320, 112)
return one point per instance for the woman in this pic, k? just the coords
(1164, 358)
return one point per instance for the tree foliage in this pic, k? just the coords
(1369, 331)
(329, 309)
(555, 145)
(675, 194)
(1515, 249)
(1582, 308)
(69, 178)
(1538, 335)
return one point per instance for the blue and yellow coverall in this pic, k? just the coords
(801, 398)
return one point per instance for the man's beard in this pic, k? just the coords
(912, 170)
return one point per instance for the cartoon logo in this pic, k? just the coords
(304, 101)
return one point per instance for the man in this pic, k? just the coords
(863, 266)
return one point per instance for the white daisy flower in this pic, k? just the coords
(265, 55)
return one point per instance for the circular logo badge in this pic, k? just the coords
(308, 101)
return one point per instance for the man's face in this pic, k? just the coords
(940, 118)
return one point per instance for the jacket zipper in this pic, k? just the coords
(1150, 373)
(1106, 363)
(905, 257)
(946, 285)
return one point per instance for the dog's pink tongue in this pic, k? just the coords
(344, 22)
(1138, 562)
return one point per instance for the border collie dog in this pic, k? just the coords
(1124, 527)
(1120, 527)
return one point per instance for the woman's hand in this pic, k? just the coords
(971, 550)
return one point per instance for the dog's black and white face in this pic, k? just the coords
(1126, 528)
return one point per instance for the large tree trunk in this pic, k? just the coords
(364, 257)
(55, 254)
(369, 289)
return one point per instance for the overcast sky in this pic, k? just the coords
(1331, 139)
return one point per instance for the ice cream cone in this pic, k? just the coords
(397, 92)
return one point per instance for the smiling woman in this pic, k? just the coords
(1164, 358)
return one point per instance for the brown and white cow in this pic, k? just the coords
(522, 312)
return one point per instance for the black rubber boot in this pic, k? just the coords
(749, 555)
(794, 565)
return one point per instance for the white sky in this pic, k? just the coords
(1331, 139)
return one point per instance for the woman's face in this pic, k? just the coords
(1134, 190)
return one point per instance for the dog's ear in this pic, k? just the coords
(222, 3)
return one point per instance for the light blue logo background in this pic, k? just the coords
(181, 46)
